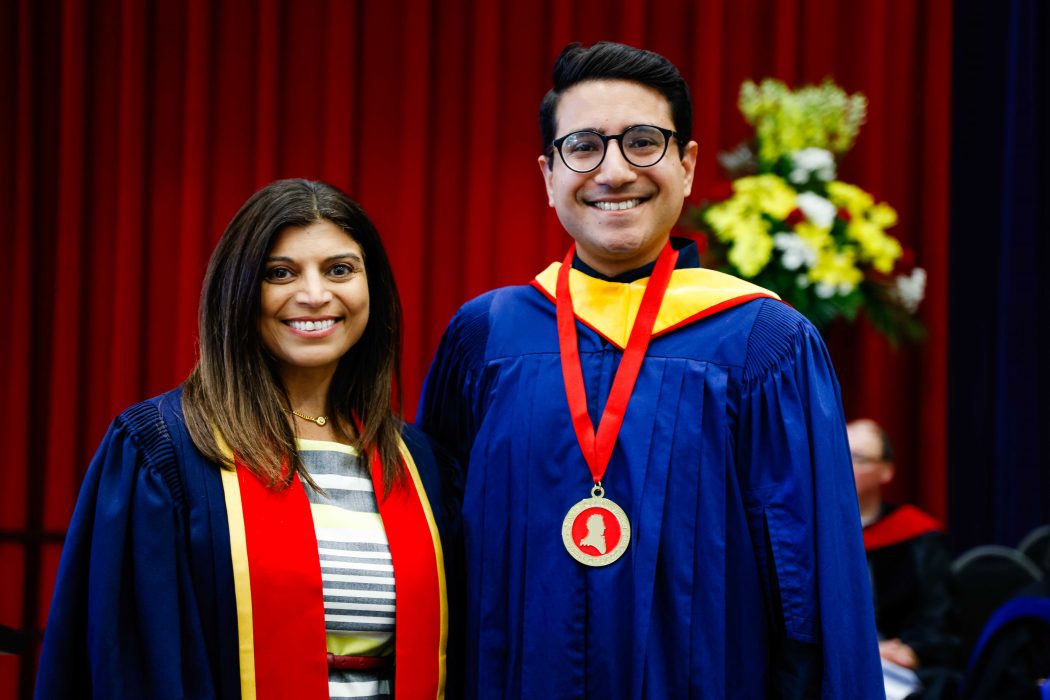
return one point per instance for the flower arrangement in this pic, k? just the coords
(789, 225)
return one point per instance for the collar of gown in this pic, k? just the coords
(609, 306)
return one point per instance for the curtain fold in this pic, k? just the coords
(138, 128)
(927, 377)
(1000, 480)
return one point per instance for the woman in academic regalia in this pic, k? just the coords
(271, 528)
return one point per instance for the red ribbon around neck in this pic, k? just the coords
(597, 449)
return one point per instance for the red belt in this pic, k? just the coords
(359, 663)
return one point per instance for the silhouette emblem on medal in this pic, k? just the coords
(596, 530)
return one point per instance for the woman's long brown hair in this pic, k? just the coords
(235, 391)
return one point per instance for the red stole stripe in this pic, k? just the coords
(418, 650)
(903, 524)
(286, 610)
(287, 604)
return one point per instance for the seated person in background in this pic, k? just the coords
(909, 564)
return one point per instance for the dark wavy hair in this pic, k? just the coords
(235, 391)
(608, 60)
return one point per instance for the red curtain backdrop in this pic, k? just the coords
(136, 130)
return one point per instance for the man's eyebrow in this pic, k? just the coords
(603, 130)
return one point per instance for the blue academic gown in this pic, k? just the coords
(144, 604)
(745, 572)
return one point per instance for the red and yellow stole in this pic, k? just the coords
(277, 580)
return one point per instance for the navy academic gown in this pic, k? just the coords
(144, 604)
(745, 572)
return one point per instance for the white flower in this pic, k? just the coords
(817, 209)
(825, 290)
(910, 289)
(812, 161)
(795, 252)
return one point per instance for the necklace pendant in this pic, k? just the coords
(319, 420)
(596, 531)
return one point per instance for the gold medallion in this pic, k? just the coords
(596, 531)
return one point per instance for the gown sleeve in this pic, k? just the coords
(124, 622)
(802, 509)
(452, 396)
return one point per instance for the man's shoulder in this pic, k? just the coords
(775, 319)
(756, 333)
(502, 302)
(772, 333)
(915, 517)
(467, 336)
(510, 294)
(902, 526)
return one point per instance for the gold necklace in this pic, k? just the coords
(320, 420)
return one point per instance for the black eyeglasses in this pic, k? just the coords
(642, 146)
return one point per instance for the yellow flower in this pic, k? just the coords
(728, 217)
(768, 194)
(883, 215)
(751, 251)
(785, 121)
(849, 197)
(875, 246)
(817, 237)
(835, 273)
(817, 244)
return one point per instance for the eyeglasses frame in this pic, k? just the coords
(866, 462)
(605, 139)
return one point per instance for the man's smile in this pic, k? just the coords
(618, 206)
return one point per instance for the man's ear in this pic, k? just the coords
(547, 174)
(689, 164)
(886, 473)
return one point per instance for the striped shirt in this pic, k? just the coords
(357, 573)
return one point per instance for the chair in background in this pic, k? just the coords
(1036, 546)
(1012, 657)
(984, 578)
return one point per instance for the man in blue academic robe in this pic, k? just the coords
(719, 554)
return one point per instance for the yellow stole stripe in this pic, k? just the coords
(424, 500)
(611, 307)
(241, 582)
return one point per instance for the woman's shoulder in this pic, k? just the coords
(148, 421)
(156, 431)
(154, 425)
